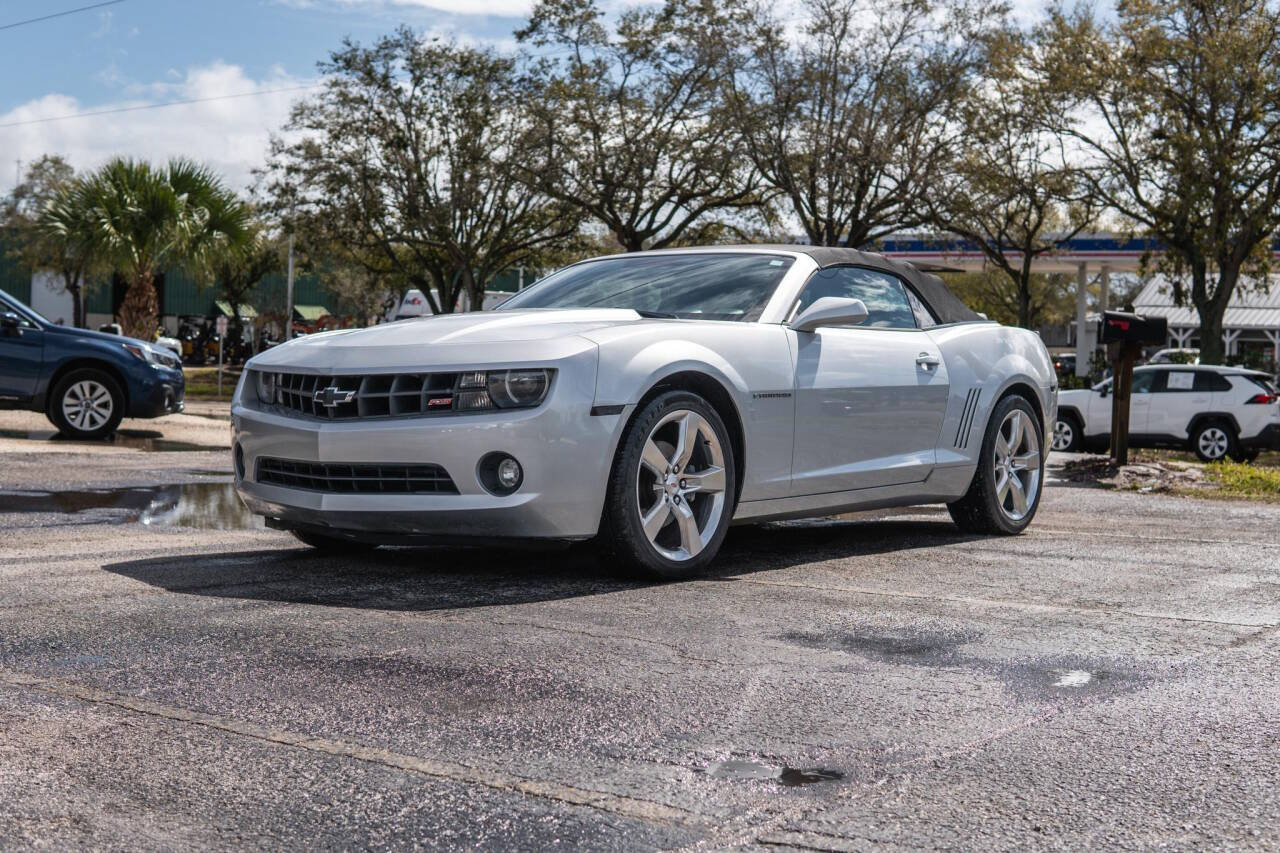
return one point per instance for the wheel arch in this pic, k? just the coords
(717, 396)
(84, 363)
(1021, 387)
(1201, 417)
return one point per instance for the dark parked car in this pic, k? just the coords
(84, 381)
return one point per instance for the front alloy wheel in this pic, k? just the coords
(671, 493)
(680, 485)
(86, 404)
(1067, 436)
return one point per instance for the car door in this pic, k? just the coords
(870, 399)
(1141, 397)
(21, 355)
(1178, 395)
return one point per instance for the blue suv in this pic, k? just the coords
(84, 381)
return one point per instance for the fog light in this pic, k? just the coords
(499, 473)
(509, 473)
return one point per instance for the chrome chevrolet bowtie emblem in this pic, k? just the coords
(332, 397)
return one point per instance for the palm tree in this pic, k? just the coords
(146, 219)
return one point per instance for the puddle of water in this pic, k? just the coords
(907, 645)
(1073, 678)
(136, 439)
(206, 506)
(758, 771)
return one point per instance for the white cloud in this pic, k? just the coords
(230, 135)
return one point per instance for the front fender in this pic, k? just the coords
(751, 362)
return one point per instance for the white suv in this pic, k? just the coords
(1214, 411)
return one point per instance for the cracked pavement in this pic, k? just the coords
(1106, 679)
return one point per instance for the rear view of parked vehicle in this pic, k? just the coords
(1215, 412)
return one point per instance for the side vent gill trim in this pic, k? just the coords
(966, 418)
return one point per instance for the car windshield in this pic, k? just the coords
(701, 286)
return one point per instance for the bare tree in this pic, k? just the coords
(1006, 187)
(1182, 99)
(852, 119)
(50, 232)
(405, 165)
(629, 122)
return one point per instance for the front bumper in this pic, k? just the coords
(565, 452)
(159, 392)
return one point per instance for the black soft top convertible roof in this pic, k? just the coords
(933, 290)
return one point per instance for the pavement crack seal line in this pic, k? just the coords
(631, 807)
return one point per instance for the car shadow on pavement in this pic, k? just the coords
(423, 579)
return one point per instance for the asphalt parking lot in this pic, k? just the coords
(172, 677)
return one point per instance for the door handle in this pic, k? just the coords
(927, 361)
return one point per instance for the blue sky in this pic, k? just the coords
(140, 52)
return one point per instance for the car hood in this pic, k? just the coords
(1076, 396)
(72, 332)
(532, 335)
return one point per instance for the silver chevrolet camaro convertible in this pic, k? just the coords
(647, 401)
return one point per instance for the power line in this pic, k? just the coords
(157, 106)
(60, 14)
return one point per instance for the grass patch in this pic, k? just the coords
(202, 382)
(1254, 482)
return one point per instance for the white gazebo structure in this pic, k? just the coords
(1252, 319)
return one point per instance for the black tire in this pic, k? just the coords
(622, 540)
(332, 545)
(77, 404)
(1070, 429)
(1214, 441)
(982, 509)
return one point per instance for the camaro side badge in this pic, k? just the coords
(770, 395)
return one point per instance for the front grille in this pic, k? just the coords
(356, 478)
(373, 395)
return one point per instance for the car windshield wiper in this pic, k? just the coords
(655, 315)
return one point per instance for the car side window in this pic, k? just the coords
(1144, 383)
(886, 299)
(1208, 381)
(1179, 381)
(924, 317)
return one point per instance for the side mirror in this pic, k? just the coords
(1104, 390)
(830, 311)
(10, 322)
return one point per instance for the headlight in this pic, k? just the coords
(265, 385)
(502, 389)
(152, 355)
(517, 389)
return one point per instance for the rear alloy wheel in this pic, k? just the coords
(1068, 437)
(1005, 491)
(1213, 441)
(671, 492)
(86, 404)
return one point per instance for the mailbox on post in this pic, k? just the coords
(1125, 333)
(1120, 327)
